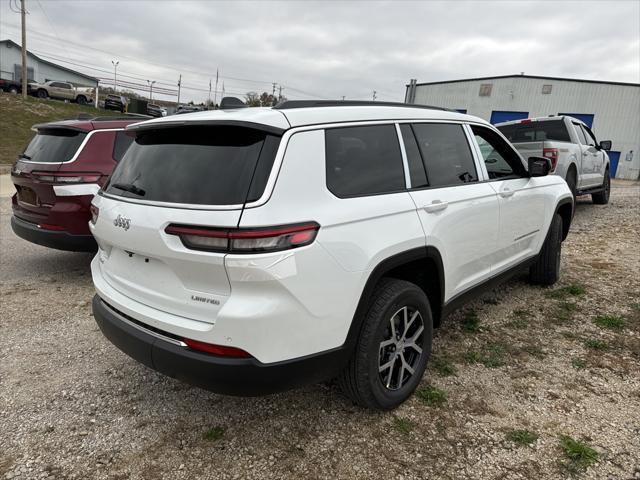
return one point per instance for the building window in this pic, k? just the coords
(485, 89)
(546, 89)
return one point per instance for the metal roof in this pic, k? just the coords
(528, 76)
(46, 62)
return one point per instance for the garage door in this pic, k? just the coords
(499, 116)
(585, 117)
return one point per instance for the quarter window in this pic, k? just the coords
(120, 145)
(499, 158)
(581, 138)
(363, 160)
(446, 154)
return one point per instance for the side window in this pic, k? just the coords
(499, 158)
(363, 160)
(120, 145)
(446, 154)
(581, 138)
(416, 166)
(591, 138)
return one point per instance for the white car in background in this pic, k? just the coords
(248, 251)
(575, 153)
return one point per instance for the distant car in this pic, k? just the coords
(187, 109)
(156, 110)
(56, 176)
(12, 86)
(571, 146)
(62, 91)
(115, 102)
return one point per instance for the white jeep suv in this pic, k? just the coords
(248, 251)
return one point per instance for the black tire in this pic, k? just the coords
(546, 270)
(602, 198)
(362, 378)
(572, 182)
(13, 90)
(82, 100)
(42, 93)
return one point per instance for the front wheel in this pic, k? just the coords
(13, 90)
(42, 93)
(546, 270)
(82, 100)
(393, 347)
(602, 197)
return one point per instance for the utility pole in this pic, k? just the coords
(215, 93)
(209, 98)
(115, 75)
(374, 95)
(179, 85)
(280, 88)
(25, 72)
(151, 89)
(343, 98)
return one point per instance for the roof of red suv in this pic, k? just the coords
(97, 123)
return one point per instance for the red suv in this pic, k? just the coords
(57, 175)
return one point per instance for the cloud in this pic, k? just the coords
(330, 49)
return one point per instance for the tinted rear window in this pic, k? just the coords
(536, 131)
(53, 146)
(204, 165)
(363, 160)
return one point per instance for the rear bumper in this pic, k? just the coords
(53, 239)
(245, 377)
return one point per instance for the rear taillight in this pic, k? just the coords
(246, 240)
(551, 154)
(526, 120)
(95, 211)
(220, 350)
(79, 177)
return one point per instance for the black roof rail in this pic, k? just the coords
(290, 104)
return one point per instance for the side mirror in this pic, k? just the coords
(539, 166)
(605, 145)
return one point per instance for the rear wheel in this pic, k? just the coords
(42, 93)
(602, 197)
(13, 89)
(393, 347)
(546, 270)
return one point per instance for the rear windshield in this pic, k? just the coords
(202, 165)
(536, 131)
(53, 146)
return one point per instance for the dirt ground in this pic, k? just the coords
(525, 383)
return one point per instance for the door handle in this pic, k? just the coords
(506, 192)
(436, 206)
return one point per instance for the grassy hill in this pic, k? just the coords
(17, 115)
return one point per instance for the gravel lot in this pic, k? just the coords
(520, 359)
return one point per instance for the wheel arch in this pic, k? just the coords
(565, 210)
(422, 266)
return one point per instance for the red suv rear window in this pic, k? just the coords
(53, 145)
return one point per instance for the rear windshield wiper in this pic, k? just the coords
(130, 187)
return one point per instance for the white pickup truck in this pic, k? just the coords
(63, 91)
(571, 146)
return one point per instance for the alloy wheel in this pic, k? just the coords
(400, 350)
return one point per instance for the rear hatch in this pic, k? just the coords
(34, 172)
(183, 176)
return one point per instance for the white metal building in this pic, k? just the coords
(612, 109)
(38, 70)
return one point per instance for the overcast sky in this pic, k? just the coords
(330, 49)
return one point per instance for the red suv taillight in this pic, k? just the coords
(246, 240)
(551, 154)
(75, 177)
